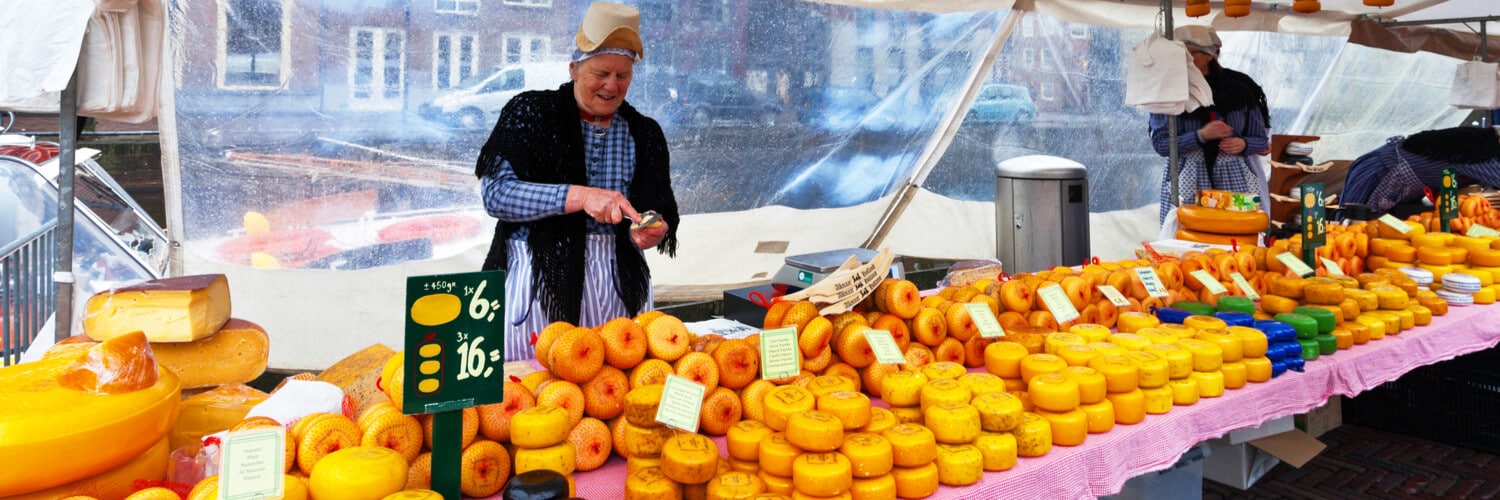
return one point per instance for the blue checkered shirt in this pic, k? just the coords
(611, 164)
(1390, 175)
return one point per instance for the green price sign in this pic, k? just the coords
(1314, 221)
(455, 346)
(1448, 197)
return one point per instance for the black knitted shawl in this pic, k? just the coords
(1233, 91)
(540, 134)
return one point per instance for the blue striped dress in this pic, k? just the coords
(1231, 172)
(1390, 174)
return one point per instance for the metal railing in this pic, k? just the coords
(27, 296)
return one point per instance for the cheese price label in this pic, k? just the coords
(1394, 223)
(1209, 281)
(1332, 267)
(681, 402)
(252, 464)
(884, 345)
(1295, 264)
(1058, 302)
(984, 319)
(1244, 286)
(779, 355)
(1479, 231)
(1114, 295)
(1154, 286)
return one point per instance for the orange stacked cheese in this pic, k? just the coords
(1158, 400)
(1069, 428)
(1054, 392)
(822, 474)
(1179, 360)
(904, 388)
(998, 450)
(1130, 321)
(1129, 341)
(1207, 356)
(1235, 374)
(941, 391)
(1033, 436)
(1210, 384)
(1091, 384)
(1056, 341)
(912, 445)
(982, 383)
(1120, 375)
(776, 455)
(783, 402)
(1130, 407)
(869, 454)
(1003, 359)
(851, 408)
(1093, 332)
(1036, 364)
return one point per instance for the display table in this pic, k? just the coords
(1104, 462)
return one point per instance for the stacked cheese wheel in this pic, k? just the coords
(1219, 226)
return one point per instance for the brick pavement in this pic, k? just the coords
(1364, 462)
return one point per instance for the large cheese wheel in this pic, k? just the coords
(998, 449)
(1220, 221)
(52, 435)
(1185, 234)
(118, 482)
(904, 388)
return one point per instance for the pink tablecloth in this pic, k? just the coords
(1101, 465)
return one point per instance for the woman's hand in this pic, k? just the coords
(1232, 145)
(649, 236)
(605, 206)
(1215, 130)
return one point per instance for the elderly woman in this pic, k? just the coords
(1214, 143)
(566, 172)
(1391, 178)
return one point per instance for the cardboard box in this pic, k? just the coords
(1241, 464)
(1323, 418)
(1269, 428)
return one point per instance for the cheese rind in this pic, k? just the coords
(690, 458)
(179, 309)
(118, 482)
(211, 412)
(561, 458)
(358, 374)
(822, 474)
(959, 464)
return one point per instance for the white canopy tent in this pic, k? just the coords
(317, 117)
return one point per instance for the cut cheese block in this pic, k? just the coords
(180, 309)
(47, 427)
(211, 412)
(118, 482)
(358, 374)
(116, 366)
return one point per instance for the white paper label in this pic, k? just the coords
(1394, 223)
(1154, 286)
(1244, 286)
(1114, 296)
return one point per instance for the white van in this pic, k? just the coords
(478, 105)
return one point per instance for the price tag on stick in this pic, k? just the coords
(1331, 266)
(780, 356)
(1154, 286)
(1058, 303)
(1244, 285)
(984, 320)
(886, 350)
(252, 464)
(1447, 199)
(681, 403)
(1209, 281)
(1295, 264)
(1114, 295)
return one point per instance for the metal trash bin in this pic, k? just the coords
(1041, 213)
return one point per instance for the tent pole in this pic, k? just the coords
(62, 276)
(1172, 154)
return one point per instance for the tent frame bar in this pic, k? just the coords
(1440, 21)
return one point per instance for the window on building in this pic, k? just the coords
(253, 43)
(453, 59)
(1026, 26)
(467, 7)
(1078, 30)
(378, 72)
(1048, 92)
(530, 3)
(714, 11)
(865, 74)
(1028, 56)
(521, 48)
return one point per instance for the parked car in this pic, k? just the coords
(477, 103)
(1002, 103)
(710, 100)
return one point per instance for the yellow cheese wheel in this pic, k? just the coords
(641, 405)
(1158, 400)
(1179, 360)
(1129, 341)
(1003, 359)
(954, 423)
(1421, 315)
(1253, 343)
(1484, 296)
(1366, 299)
(850, 407)
(982, 383)
(1069, 428)
(54, 435)
(916, 482)
(751, 467)
(1156, 336)
(1184, 391)
(1343, 338)
(815, 431)
(1429, 240)
(779, 485)
(689, 458)
(776, 455)
(635, 463)
(560, 458)
(882, 487)
(943, 370)
(1392, 321)
(1207, 356)
(959, 464)
(1438, 271)
(540, 426)
(1201, 322)
(1257, 369)
(1282, 286)
(1485, 257)
(998, 412)
(1153, 369)
(1323, 292)
(1033, 436)
(1358, 332)
(1177, 330)
(1107, 348)
(1130, 407)
(1094, 332)
(1378, 246)
(651, 483)
(1091, 383)
(998, 449)
(1235, 374)
(869, 454)
(1221, 221)
(822, 474)
(1276, 304)
(1055, 341)
(1054, 392)
(643, 441)
(912, 445)
(1120, 374)
(735, 486)
(1101, 416)
(784, 401)
(744, 437)
(940, 391)
(880, 419)
(1077, 355)
(908, 414)
(1130, 321)
(1434, 255)
(1230, 347)
(114, 483)
(1347, 309)
(1391, 298)
(1034, 364)
(1210, 384)
(1376, 325)
(824, 384)
(1401, 253)
(904, 388)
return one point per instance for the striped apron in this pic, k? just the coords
(524, 314)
